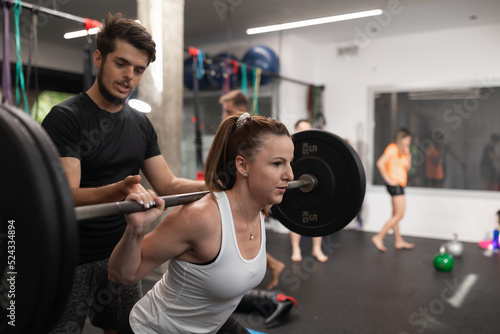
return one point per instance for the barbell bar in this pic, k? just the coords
(119, 208)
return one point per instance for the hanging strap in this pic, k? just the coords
(234, 63)
(196, 104)
(256, 83)
(226, 86)
(87, 53)
(32, 57)
(6, 81)
(319, 120)
(90, 24)
(244, 78)
(19, 65)
(310, 103)
(200, 71)
(87, 63)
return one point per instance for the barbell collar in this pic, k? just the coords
(310, 182)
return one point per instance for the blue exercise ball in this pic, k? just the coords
(188, 75)
(263, 57)
(217, 71)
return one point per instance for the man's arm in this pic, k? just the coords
(164, 181)
(110, 193)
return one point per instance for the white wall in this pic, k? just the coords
(419, 60)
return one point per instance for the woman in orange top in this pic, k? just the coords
(394, 165)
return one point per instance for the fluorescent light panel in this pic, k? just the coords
(80, 33)
(306, 23)
(83, 33)
(139, 105)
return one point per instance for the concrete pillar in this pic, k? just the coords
(161, 85)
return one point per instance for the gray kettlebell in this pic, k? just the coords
(454, 247)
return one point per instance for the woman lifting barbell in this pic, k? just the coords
(216, 246)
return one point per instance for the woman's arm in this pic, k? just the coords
(178, 235)
(126, 257)
(381, 163)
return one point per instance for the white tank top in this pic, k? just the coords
(193, 298)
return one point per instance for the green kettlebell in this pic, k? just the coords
(443, 261)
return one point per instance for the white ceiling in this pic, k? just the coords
(213, 21)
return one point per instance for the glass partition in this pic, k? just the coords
(456, 135)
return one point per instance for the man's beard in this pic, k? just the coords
(106, 93)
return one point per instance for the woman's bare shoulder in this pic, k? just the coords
(201, 214)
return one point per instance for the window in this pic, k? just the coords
(44, 103)
(455, 135)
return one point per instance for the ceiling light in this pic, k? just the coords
(306, 23)
(139, 105)
(84, 32)
(81, 33)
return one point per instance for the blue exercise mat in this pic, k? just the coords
(254, 332)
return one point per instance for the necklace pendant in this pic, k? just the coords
(251, 236)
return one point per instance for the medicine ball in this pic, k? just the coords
(263, 57)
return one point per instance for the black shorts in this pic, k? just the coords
(104, 302)
(395, 190)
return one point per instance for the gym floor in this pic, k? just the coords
(361, 290)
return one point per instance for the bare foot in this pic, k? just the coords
(379, 243)
(275, 270)
(320, 256)
(404, 245)
(296, 255)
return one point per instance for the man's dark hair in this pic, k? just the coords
(117, 27)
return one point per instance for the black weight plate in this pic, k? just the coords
(44, 231)
(340, 191)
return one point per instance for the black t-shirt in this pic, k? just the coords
(110, 147)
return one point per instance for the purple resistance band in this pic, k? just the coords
(6, 82)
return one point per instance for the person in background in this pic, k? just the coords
(394, 165)
(216, 245)
(234, 102)
(103, 143)
(489, 160)
(435, 156)
(317, 252)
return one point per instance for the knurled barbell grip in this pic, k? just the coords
(120, 208)
(124, 207)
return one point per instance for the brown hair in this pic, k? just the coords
(237, 137)
(237, 97)
(399, 135)
(117, 27)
